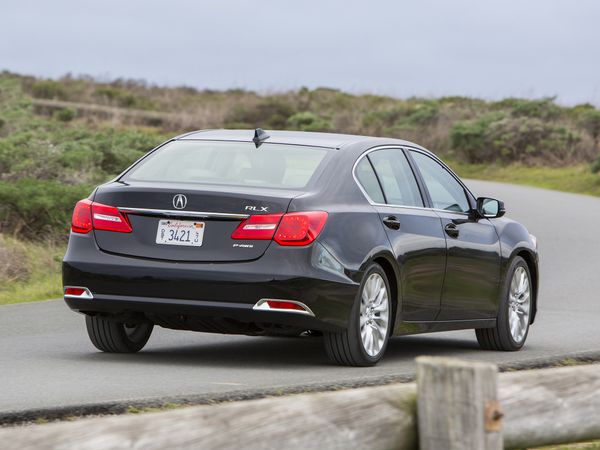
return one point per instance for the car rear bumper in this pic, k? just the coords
(164, 289)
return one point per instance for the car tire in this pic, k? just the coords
(515, 302)
(117, 337)
(370, 315)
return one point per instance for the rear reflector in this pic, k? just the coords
(283, 306)
(297, 228)
(77, 292)
(89, 216)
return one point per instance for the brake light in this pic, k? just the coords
(297, 228)
(82, 217)
(300, 228)
(108, 218)
(257, 227)
(90, 215)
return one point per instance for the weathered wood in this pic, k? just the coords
(457, 405)
(551, 406)
(368, 418)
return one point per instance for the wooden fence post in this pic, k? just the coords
(457, 405)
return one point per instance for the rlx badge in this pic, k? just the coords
(257, 208)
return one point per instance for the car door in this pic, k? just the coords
(472, 279)
(415, 233)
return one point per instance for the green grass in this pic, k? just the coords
(577, 179)
(39, 272)
(592, 445)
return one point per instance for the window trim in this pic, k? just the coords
(418, 178)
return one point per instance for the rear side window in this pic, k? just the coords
(397, 178)
(231, 163)
(368, 180)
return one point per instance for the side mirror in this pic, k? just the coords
(490, 207)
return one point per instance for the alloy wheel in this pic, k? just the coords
(374, 314)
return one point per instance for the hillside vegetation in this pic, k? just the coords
(59, 138)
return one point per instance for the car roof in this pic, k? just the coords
(327, 140)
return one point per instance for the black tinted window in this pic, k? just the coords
(368, 180)
(397, 178)
(445, 192)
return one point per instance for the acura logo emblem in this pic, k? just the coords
(179, 201)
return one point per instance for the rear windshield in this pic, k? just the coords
(231, 163)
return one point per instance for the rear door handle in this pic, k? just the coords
(392, 222)
(451, 230)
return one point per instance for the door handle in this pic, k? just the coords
(392, 222)
(451, 230)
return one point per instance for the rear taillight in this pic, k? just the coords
(82, 217)
(300, 228)
(90, 215)
(297, 228)
(257, 227)
(108, 218)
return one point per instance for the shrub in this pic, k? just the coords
(308, 121)
(269, 113)
(13, 262)
(38, 209)
(469, 138)
(590, 122)
(495, 137)
(49, 89)
(64, 114)
(544, 108)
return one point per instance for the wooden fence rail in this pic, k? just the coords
(454, 404)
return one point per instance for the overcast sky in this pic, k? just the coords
(483, 48)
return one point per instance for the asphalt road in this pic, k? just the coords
(46, 360)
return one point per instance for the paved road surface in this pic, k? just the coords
(46, 360)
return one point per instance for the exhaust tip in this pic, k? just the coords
(77, 292)
(278, 305)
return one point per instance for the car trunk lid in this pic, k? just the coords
(210, 213)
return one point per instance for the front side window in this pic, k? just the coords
(231, 163)
(396, 177)
(446, 193)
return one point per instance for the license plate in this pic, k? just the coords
(180, 232)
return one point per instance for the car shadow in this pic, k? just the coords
(277, 352)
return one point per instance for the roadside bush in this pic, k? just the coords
(64, 114)
(590, 122)
(308, 121)
(13, 262)
(403, 117)
(469, 139)
(495, 138)
(121, 97)
(49, 89)
(38, 209)
(269, 113)
(544, 108)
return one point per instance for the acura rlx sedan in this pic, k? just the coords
(288, 233)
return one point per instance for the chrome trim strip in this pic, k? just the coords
(262, 305)
(372, 203)
(86, 292)
(179, 213)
